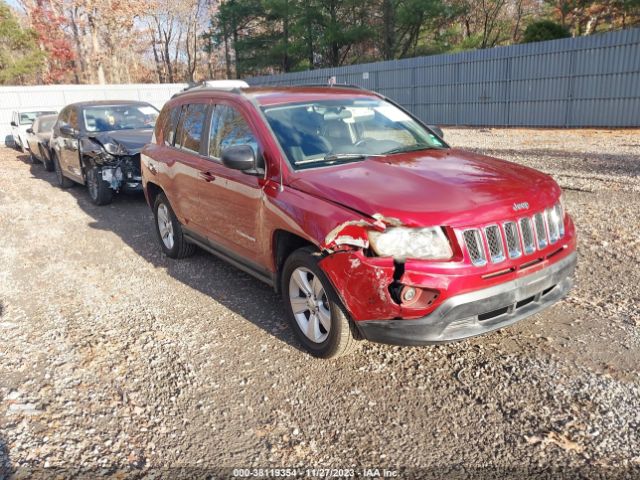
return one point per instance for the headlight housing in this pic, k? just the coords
(114, 148)
(428, 243)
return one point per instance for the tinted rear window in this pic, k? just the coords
(169, 124)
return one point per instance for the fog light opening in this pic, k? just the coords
(408, 294)
(416, 297)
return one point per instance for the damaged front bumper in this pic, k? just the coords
(123, 174)
(478, 312)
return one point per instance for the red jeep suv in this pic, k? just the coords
(362, 217)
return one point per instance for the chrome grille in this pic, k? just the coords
(519, 238)
(473, 241)
(513, 242)
(527, 235)
(541, 231)
(494, 242)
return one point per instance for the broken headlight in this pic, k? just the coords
(114, 149)
(401, 243)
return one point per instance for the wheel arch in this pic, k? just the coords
(284, 243)
(151, 192)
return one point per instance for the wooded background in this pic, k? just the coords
(162, 41)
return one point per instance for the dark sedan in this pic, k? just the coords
(38, 140)
(98, 144)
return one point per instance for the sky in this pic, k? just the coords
(14, 4)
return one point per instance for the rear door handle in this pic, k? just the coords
(152, 168)
(207, 176)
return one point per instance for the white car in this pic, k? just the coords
(22, 120)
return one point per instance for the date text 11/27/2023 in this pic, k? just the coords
(314, 473)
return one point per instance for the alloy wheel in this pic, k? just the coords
(165, 226)
(310, 304)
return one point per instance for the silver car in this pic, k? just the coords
(38, 138)
(21, 120)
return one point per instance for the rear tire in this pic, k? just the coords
(63, 182)
(169, 230)
(312, 305)
(100, 191)
(48, 164)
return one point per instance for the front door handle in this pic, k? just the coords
(207, 176)
(152, 168)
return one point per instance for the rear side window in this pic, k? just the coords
(169, 125)
(73, 119)
(189, 131)
(63, 118)
(228, 127)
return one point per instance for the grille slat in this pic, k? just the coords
(560, 214)
(552, 223)
(473, 241)
(513, 240)
(494, 242)
(524, 236)
(527, 236)
(541, 231)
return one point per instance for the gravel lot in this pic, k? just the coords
(116, 360)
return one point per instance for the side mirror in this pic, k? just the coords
(239, 157)
(13, 124)
(30, 130)
(67, 130)
(437, 130)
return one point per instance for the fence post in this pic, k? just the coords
(572, 74)
(413, 89)
(508, 95)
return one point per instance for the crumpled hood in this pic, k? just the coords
(131, 141)
(433, 187)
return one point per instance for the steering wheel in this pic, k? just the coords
(362, 141)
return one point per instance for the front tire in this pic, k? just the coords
(169, 230)
(63, 182)
(315, 312)
(99, 191)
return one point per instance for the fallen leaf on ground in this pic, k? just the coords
(556, 439)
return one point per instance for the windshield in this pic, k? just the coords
(106, 118)
(337, 131)
(27, 118)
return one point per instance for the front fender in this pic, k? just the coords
(340, 234)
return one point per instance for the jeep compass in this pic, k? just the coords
(361, 216)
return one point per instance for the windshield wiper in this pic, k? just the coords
(335, 157)
(410, 148)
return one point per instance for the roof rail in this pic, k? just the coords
(328, 85)
(224, 84)
(218, 84)
(227, 85)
